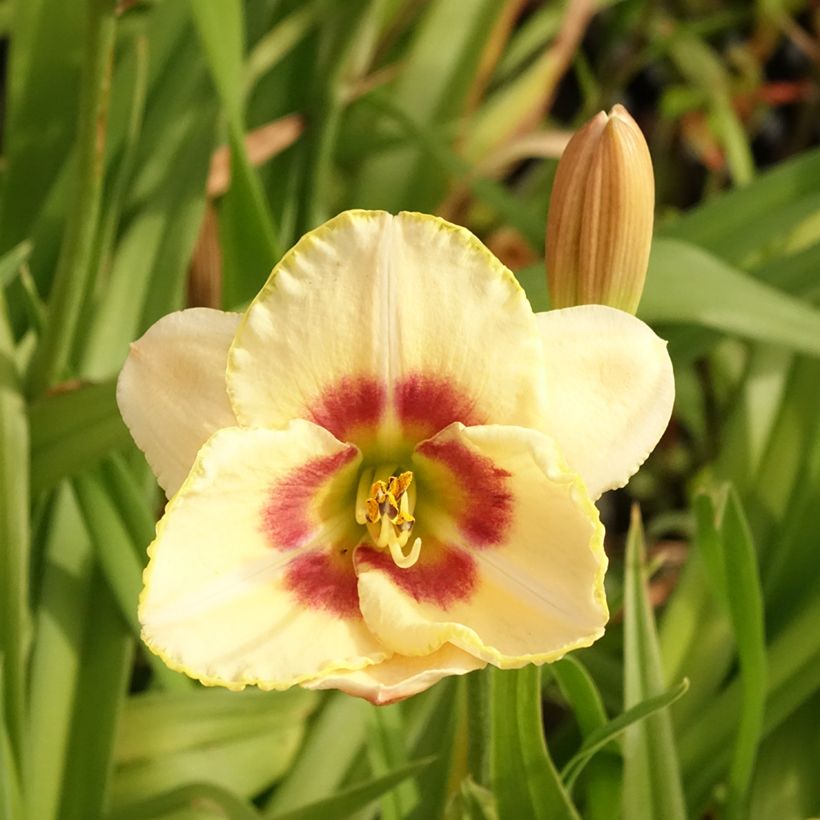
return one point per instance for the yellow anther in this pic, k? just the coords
(388, 512)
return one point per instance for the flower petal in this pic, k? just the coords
(512, 569)
(386, 325)
(171, 390)
(610, 391)
(250, 578)
(400, 676)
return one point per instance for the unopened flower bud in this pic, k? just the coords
(599, 229)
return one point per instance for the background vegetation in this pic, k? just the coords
(165, 152)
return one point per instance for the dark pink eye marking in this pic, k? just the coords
(446, 578)
(430, 403)
(320, 580)
(286, 517)
(479, 498)
(351, 403)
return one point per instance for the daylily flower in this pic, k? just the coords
(384, 471)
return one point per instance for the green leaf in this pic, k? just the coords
(579, 689)
(115, 554)
(14, 536)
(602, 780)
(105, 667)
(11, 800)
(439, 68)
(600, 737)
(63, 606)
(247, 231)
(221, 27)
(198, 796)
(43, 78)
(793, 661)
(524, 779)
(74, 275)
(347, 801)
(753, 223)
(335, 740)
(652, 784)
(244, 742)
(11, 262)
(72, 431)
(687, 284)
(157, 724)
(386, 751)
(436, 724)
(472, 802)
(274, 45)
(729, 552)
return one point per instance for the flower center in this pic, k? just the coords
(384, 502)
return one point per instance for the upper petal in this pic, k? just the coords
(401, 676)
(610, 391)
(512, 567)
(388, 326)
(250, 578)
(171, 390)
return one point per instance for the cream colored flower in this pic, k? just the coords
(384, 472)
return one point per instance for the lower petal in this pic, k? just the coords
(400, 676)
(525, 589)
(251, 579)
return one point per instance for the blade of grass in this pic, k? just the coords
(195, 796)
(751, 223)
(652, 784)
(494, 195)
(43, 77)
(732, 554)
(11, 799)
(347, 801)
(105, 666)
(603, 735)
(155, 724)
(602, 781)
(436, 724)
(438, 72)
(471, 802)
(61, 614)
(11, 262)
(714, 294)
(73, 274)
(72, 431)
(14, 537)
(524, 779)
(119, 562)
(386, 751)
(274, 45)
(248, 231)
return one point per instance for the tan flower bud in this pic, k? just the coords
(600, 220)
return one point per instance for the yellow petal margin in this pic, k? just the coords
(250, 579)
(171, 390)
(610, 390)
(524, 555)
(375, 322)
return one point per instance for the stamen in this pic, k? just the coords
(388, 512)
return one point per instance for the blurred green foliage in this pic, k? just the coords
(158, 153)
